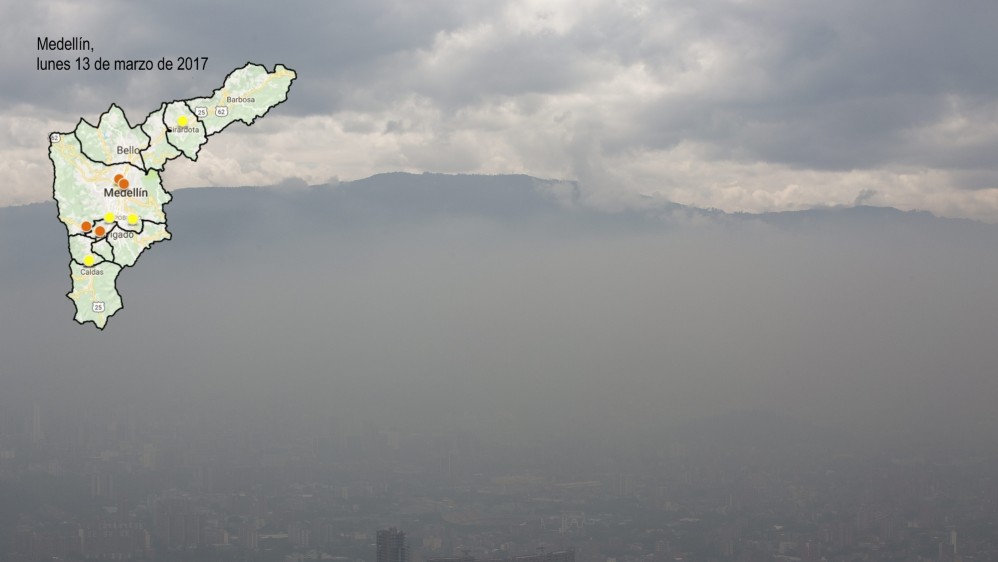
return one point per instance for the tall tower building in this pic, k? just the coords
(36, 424)
(102, 485)
(391, 546)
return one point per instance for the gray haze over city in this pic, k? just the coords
(634, 281)
(501, 303)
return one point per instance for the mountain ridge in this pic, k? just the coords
(412, 191)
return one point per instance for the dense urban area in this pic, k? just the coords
(112, 485)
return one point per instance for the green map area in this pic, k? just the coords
(107, 178)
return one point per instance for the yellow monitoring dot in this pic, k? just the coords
(133, 219)
(109, 217)
(182, 120)
(88, 261)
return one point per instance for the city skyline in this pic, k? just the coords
(511, 281)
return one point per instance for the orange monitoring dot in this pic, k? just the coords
(86, 226)
(117, 178)
(99, 231)
(123, 183)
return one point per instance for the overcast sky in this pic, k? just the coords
(739, 105)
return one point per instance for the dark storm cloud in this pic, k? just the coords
(834, 85)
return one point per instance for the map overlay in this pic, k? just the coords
(107, 184)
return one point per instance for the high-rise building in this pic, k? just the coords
(36, 424)
(102, 485)
(249, 536)
(391, 546)
(177, 524)
(300, 534)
